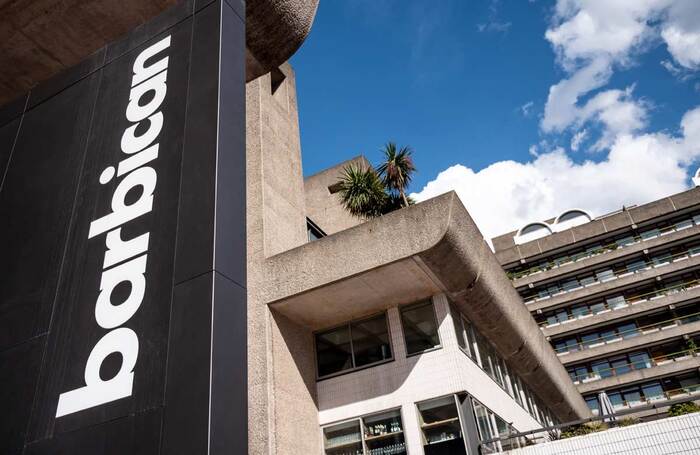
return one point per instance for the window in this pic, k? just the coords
(376, 434)
(314, 232)
(354, 345)
(419, 327)
(593, 405)
(441, 429)
(487, 427)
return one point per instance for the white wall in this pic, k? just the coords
(405, 381)
(675, 435)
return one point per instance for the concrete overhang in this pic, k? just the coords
(429, 248)
(41, 38)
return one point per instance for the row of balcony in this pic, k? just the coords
(617, 303)
(607, 248)
(604, 373)
(689, 391)
(618, 336)
(608, 275)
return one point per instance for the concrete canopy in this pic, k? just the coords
(41, 38)
(411, 254)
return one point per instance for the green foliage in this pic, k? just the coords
(369, 193)
(396, 169)
(680, 409)
(692, 347)
(627, 421)
(584, 429)
(362, 192)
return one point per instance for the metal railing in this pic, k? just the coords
(621, 273)
(551, 433)
(645, 297)
(633, 240)
(626, 334)
(603, 373)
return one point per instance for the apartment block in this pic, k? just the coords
(617, 297)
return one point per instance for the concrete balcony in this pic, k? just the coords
(620, 344)
(599, 289)
(621, 253)
(632, 309)
(410, 254)
(659, 369)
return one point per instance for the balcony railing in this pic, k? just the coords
(632, 240)
(632, 300)
(604, 373)
(641, 267)
(626, 334)
(667, 395)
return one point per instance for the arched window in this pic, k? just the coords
(531, 232)
(571, 218)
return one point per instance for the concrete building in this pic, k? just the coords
(618, 297)
(392, 333)
(265, 320)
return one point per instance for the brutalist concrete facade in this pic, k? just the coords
(617, 297)
(155, 240)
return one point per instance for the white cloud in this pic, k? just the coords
(497, 27)
(638, 169)
(526, 109)
(681, 32)
(578, 139)
(591, 38)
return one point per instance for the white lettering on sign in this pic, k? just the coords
(148, 83)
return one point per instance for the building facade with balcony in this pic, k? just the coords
(395, 335)
(618, 297)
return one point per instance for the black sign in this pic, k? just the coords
(112, 313)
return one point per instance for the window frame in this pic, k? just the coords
(354, 368)
(410, 306)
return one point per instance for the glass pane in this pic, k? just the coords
(333, 351)
(653, 391)
(593, 405)
(602, 369)
(640, 360)
(486, 430)
(459, 330)
(384, 433)
(370, 341)
(419, 328)
(442, 433)
(343, 439)
(616, 302)
(597, 307)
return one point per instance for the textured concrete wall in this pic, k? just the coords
(324, 208)
(280, 369)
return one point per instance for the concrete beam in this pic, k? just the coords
(639, 341)
(42, 38)
(618, 254)
(635, 309)
(410, 254)
(674, 367)
(509, 254)
(619, 284)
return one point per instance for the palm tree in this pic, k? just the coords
(396, 170)
(362, 192)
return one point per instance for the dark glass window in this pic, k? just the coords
(419, 327)
(353, 345)
(333, 351)
(370, 341)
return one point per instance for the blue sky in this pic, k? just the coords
(490, 94)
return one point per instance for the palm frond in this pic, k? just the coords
(362, 192)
